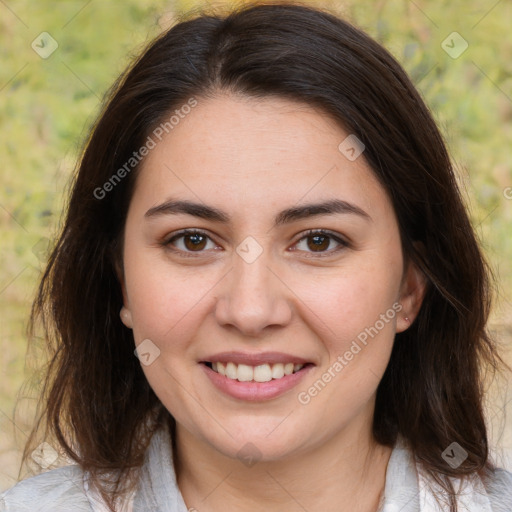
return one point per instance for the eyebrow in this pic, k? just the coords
(295, 213)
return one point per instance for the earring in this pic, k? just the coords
(406, 319)
(126, 317)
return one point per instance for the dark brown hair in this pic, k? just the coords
(97, 402)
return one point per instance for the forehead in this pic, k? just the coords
(257, 153)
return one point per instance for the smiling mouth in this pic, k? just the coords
(260, 373)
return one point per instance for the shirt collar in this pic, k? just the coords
(408, 488)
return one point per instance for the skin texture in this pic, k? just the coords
(253, 158)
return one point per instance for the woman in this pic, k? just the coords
(266, 212)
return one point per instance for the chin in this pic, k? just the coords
(257, 446)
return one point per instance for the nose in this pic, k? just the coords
(253, 296)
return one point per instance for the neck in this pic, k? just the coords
(346, 473)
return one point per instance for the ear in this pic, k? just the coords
(125, 313)
(412, 293)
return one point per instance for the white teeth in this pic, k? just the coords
(277, 371)
(231, 371)
(288, 368)
(245, 373)
(261, 373)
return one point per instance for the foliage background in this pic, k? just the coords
(47, 105)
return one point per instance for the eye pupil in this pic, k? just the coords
(319, 242)
(196, 239)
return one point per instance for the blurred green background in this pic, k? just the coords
(47, 105)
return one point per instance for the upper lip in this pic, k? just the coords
(254, 359)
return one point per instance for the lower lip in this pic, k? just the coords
(254, 391)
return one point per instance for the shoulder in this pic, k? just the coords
(57, 490)
(499, 490)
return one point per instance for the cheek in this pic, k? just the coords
(345, 302)
(345, 312)
(164, 301)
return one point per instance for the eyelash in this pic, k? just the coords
(312, 232)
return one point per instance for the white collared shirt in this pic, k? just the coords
(407, 488)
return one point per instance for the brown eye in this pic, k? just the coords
(189, 241)
(194, 242)
(319, 242)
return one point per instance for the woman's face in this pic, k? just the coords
(253, 287)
